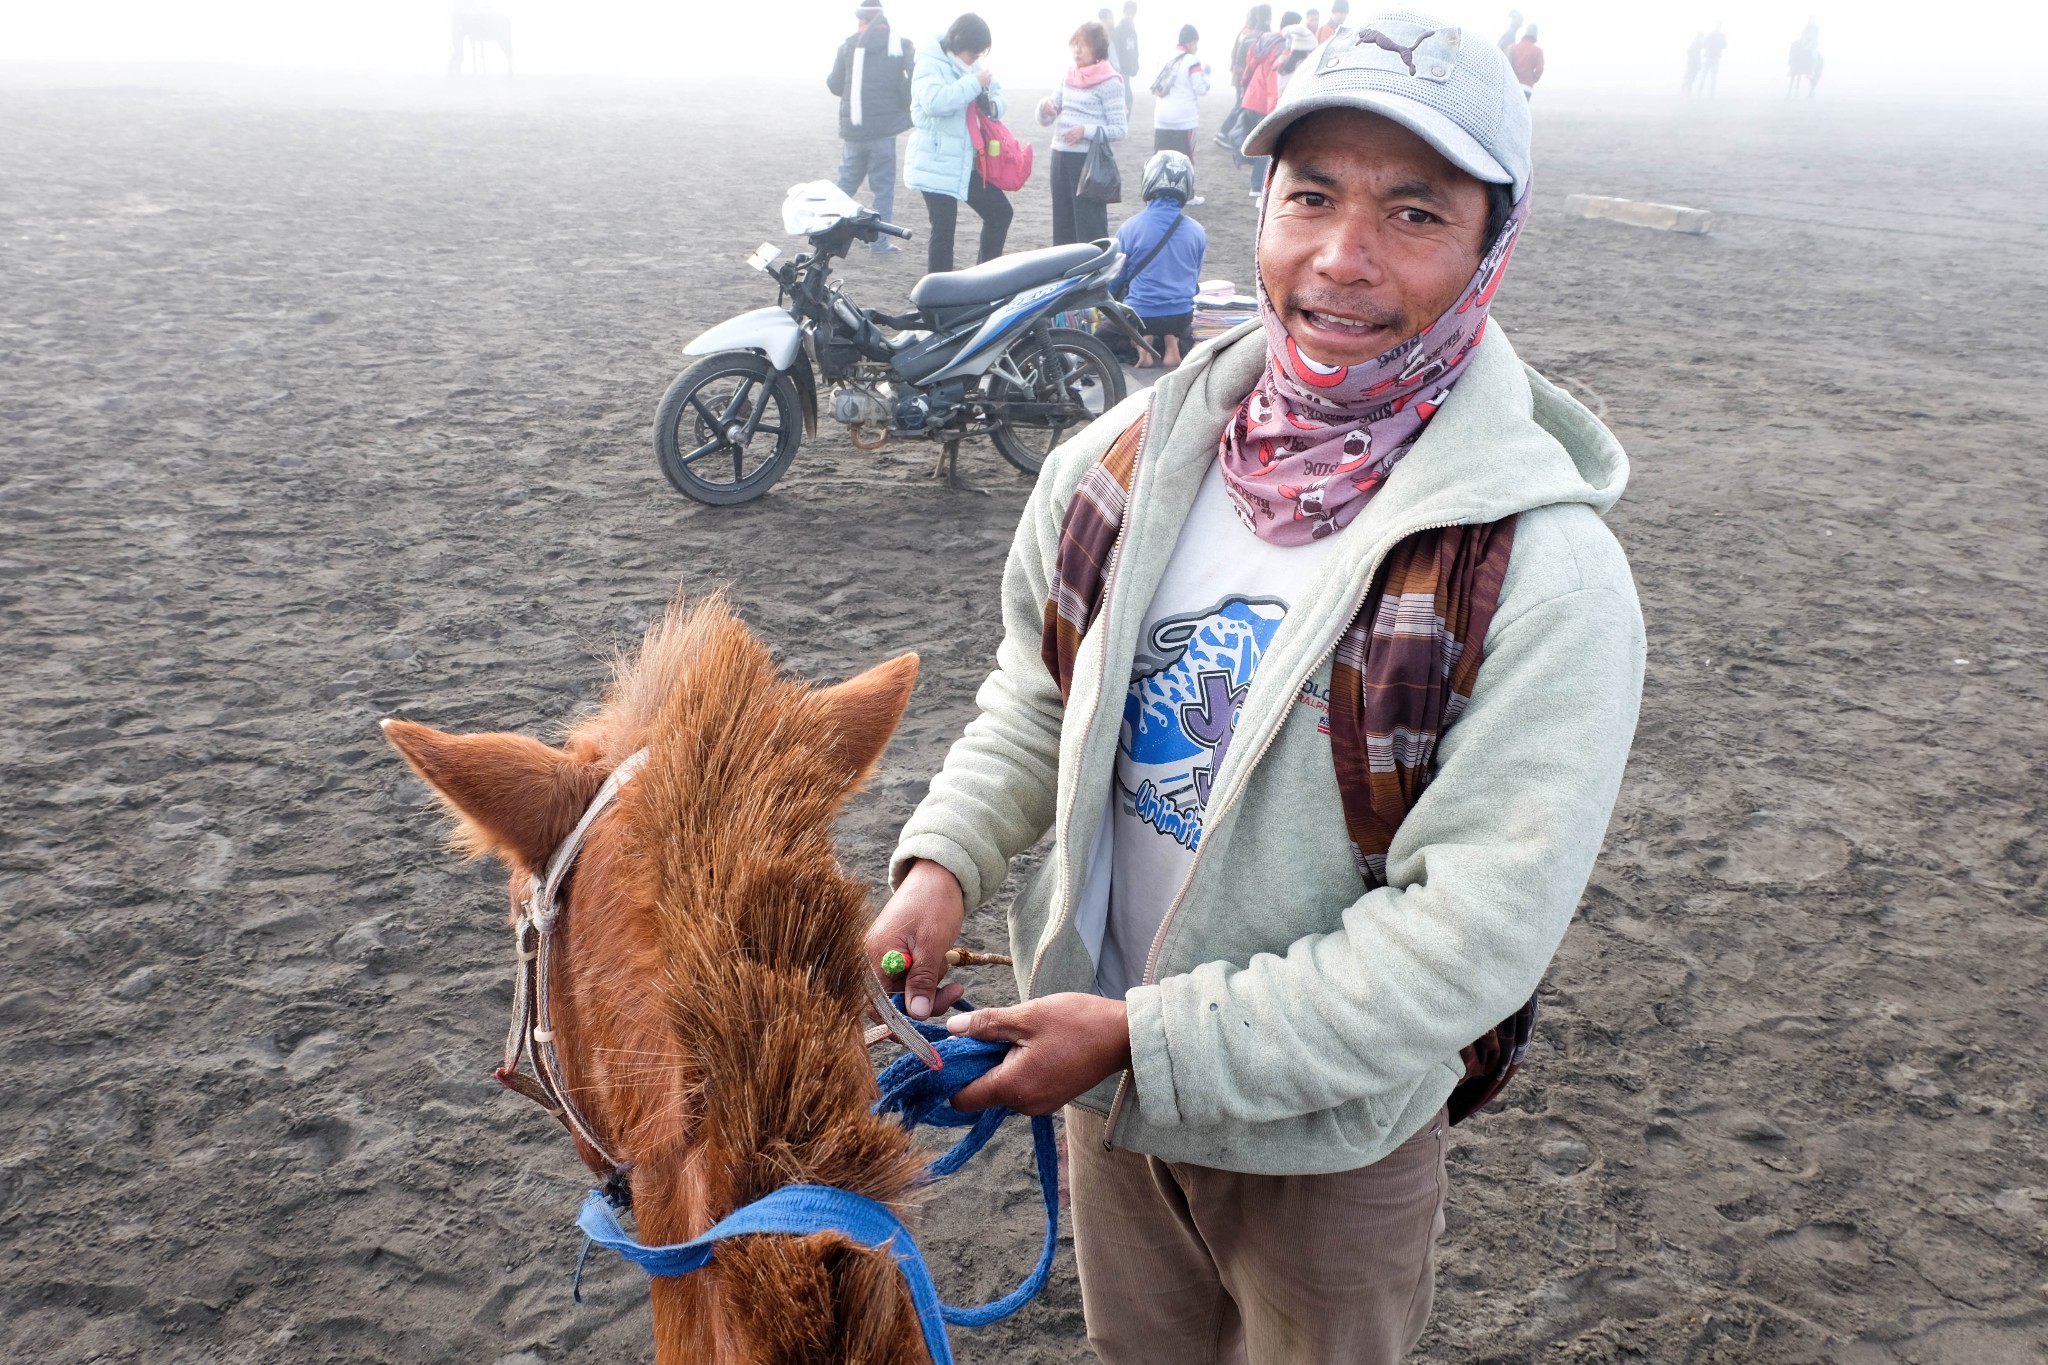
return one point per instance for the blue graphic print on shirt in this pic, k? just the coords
(1179, 716)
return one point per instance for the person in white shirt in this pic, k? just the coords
(1180, 86)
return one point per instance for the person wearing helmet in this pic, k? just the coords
(1163, 250)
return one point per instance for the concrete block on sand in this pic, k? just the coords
(1666, 217)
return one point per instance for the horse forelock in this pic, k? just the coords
(724, 862)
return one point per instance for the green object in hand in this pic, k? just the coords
(895, 962)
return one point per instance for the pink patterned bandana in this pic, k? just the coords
(1311, 444)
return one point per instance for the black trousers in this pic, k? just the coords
(943, 210)
(1157, 330)
(1074, 219)
(1174, 140)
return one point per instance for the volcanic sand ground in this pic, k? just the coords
(322, 408)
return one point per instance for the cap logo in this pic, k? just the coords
(1406, 54)
(1381, 45)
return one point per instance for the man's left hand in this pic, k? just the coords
(1065, 1044)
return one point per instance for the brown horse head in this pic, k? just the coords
(708, 970)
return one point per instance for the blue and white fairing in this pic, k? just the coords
(1002, 326)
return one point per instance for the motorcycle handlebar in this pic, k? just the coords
(892, 230)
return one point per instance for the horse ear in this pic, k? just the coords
(513, 796)
(862, 713)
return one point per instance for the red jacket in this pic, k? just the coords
(1527, 60)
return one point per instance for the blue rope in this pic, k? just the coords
(924, 1096)
(920, 1096)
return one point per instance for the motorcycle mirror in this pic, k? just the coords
(764, 256)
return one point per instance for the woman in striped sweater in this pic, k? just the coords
(1090, 100)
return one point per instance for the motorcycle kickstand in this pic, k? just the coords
(948, 468)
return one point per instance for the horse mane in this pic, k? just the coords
(747, 935)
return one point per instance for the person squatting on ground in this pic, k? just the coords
(940, 159)
(1527, 60)
(1163, 250)
(1179, 88)
(1123, 52)
(1090, 101)
(871, 76)
(1328, 748)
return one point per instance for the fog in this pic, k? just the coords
(1879, 51)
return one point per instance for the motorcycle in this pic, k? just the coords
(979, 356)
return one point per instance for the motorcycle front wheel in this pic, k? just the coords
(727, 428)
(1083, 372)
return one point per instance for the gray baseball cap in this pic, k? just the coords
(1456, 93)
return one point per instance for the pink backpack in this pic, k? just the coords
(1002, 160)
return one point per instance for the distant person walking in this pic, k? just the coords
(1507, 40)
(1693, 56)
(1163, 250)
(1179, 86)
(1340, 17)
(1805, 62)
(1273, 56)
(1089, 103)
(871, 76)
(1711, 48)
(1527, 60)
(939, 161)
(1238, 122)
(1123, 51)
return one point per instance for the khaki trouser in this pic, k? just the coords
(1184, 1265)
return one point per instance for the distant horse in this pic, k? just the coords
(471, 28)
(1805, 65)
(707, 978)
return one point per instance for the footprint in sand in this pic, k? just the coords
(1770, 848)
(1835, 1243)
(210, 866)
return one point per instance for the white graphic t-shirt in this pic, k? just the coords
(1215, 613)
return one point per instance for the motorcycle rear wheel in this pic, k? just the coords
(719, 414)
(1090, 375)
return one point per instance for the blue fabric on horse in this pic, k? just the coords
(796, 1210)
(921, 1096)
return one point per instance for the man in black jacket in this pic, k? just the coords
(1123, 51)
(872, 79)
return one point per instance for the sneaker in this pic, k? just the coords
(1221, 141)
(1197, 202)
(886, 249)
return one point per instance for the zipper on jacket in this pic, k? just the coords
(1123, 1086)
(1069, 893)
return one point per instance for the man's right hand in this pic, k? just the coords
(985, 76)
(922, 920)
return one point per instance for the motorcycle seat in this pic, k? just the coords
(1007, 275)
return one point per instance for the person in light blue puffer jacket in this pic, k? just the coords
(939, 162)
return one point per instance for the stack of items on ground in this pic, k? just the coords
(1219, 307)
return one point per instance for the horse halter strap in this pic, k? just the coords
(532, 1033)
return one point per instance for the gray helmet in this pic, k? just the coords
(1170, 173)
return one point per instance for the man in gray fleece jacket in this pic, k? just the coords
(1348, 559)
